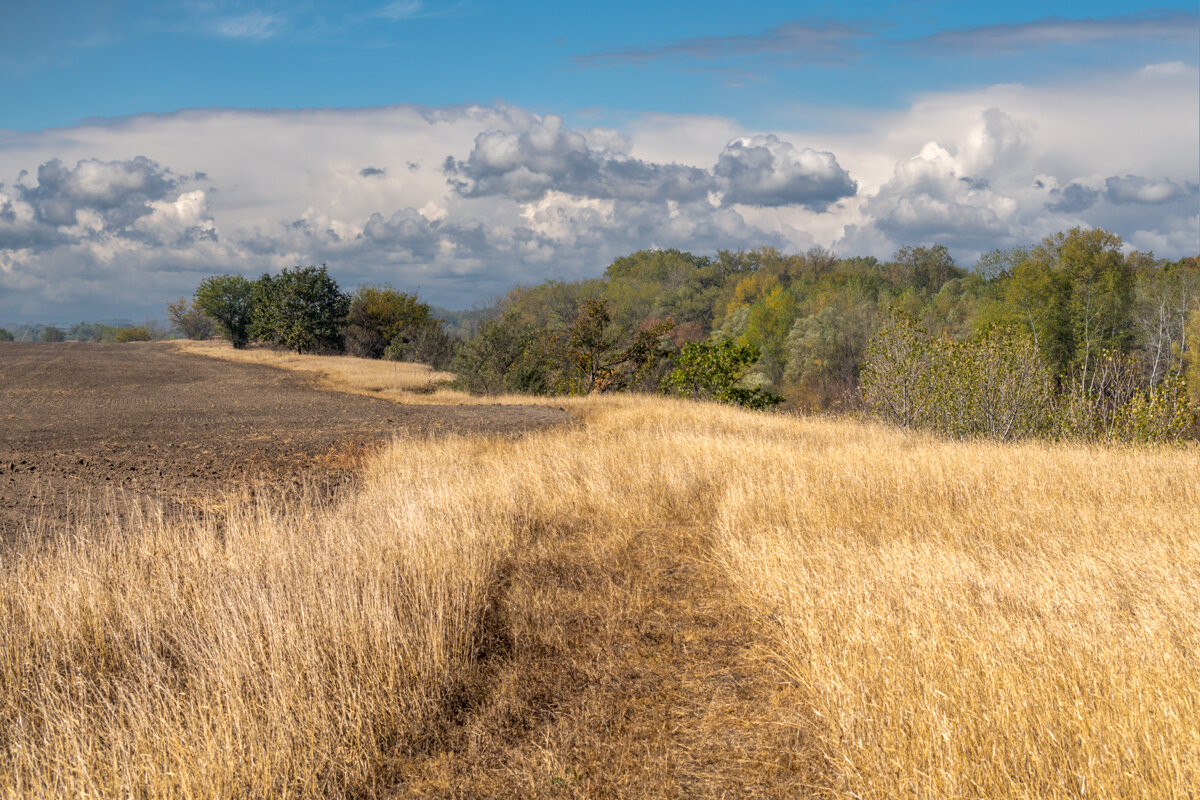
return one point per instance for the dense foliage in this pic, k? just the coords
(304, 309)
(385, 323)
(137, 333)
(713, 371)
(1055, 338)
(301, 309)
(1072, 336)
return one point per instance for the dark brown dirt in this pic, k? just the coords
(82, 420)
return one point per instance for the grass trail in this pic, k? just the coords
(626, 669)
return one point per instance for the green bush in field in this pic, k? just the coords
(998, 385)
(378, 315)
(714, 370)
(136, 334)
(5, 335)
(1159, 414)
(995, 385)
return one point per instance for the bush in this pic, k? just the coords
(506, 354)
(379, 316)
(137, 334)
(5, 335)
(301, 309)
(426, 344)
(713, 370)
(1157, 415)
(999, 386)
(52, 334)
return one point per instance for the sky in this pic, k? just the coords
(457, 148)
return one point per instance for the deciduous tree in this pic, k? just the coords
(189, 319)
(229, 301)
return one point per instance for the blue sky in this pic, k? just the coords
(460, 147)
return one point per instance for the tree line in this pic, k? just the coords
(1073, 336)
(1070, 337)
(86, 332)
(303, 309)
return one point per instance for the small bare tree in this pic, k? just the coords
(189, 320)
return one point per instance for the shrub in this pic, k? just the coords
(996, 385)
(5, 335)
(999, 386)
(137, 334)
(507, 353)
(378, 317)
(713, 370)
(427, 343)
(1156, 415)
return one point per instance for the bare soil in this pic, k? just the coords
(82, 420)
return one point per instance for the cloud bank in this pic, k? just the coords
(460, 203)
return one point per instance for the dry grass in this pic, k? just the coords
(973, 620)
(670, 599)
(400, 382)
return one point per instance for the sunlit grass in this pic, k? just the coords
(956, 620)
(401, 382)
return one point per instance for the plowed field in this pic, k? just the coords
(81, 421)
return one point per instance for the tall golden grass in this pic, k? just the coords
(975, 620)
(954, 620)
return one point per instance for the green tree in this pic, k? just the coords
(5, 335)
(825, 349)
(604, 356)
(189, 319)
(301, 309)
(923, 268)
(52, 334)
(768, 323)
(1074, 295)
(593, 345)
(714, 370)
(228, 300)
